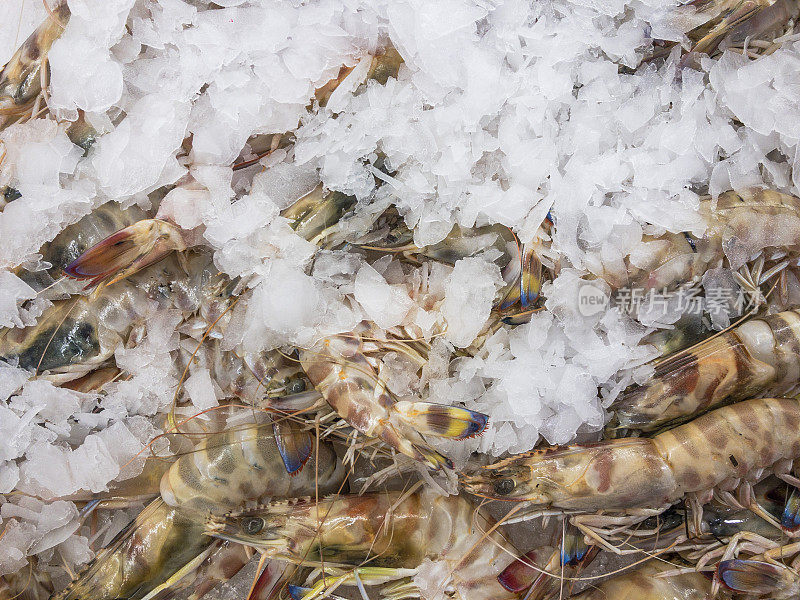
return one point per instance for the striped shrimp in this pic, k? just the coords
(21, 78)
(75, 336)
(729, 448)
(521, 263)
(342, 370)
(74, 240)
(385, 536)
(223, 472)
(760, 356)
(739, 226)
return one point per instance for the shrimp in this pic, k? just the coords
(150, 240)
(73, 241)
(340, 369)
(27, 584)
(75, 336)
(752, 223)
(383, 534)
(717, 453)
(223, 472)
(646, 583)
(21, 78)
(757, 357)
(522, 265)
(731, 22)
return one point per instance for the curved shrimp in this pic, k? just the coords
(149, 241)
(340, 369)
(757, 357)
(386, 534)
(221, 473)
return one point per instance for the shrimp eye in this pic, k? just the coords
(253, 526)
(504, 487)
(296, 386)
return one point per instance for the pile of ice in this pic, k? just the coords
(503, 111)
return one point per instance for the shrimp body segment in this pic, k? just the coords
(343, 374)
(758, 356)
(644, 583)
(391, 529)
(744, 441)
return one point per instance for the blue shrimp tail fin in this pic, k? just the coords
(295, 445)
(752, 576)
(790, 519)
(530, 277)
(439, 420)
(575, 550)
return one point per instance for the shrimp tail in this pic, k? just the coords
(575, 550)
(791, 512)
(294, 444)
(127, 251)
(752, 576)
(442, 421)
(520, 575)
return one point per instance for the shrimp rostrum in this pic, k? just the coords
(723, 451)
(379, 536)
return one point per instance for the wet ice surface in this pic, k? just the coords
(503, 111)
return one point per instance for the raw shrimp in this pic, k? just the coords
(21, 78)
(340, 369)
(731, 22)
(383, 534)
(77, 335)
(74, 240)
(150, 240)
(760, 356)
(221, 473)
(740, 226)
(521, 264)
(29, 583)
(716, 453)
